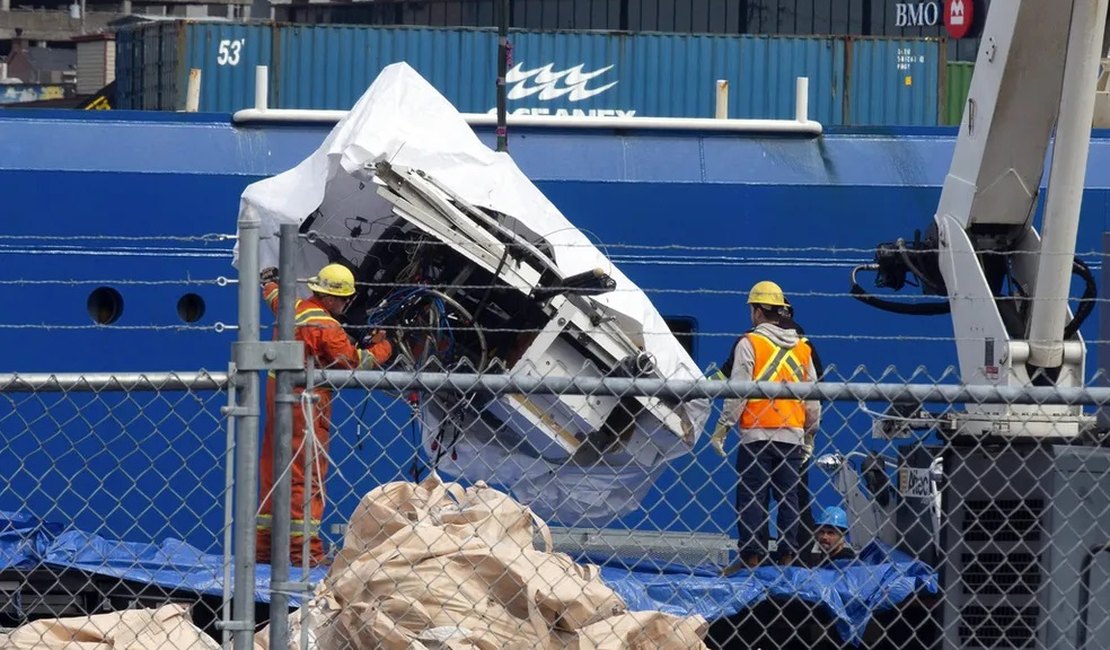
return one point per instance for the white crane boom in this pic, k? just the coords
(1007, 286)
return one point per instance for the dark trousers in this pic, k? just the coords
(768, 469)
(807, 528)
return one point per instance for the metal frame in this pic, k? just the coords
(711, 388)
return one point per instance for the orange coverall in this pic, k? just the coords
(328, 345)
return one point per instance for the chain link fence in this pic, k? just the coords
(547, 501)
(948, 541)
(907, 534)
(110, 482)
(435, 501)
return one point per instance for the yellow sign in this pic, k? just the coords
(98, 104)
(102, 100)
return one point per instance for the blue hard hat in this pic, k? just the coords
(833, 516)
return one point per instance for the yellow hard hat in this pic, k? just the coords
(333, 280)
(766, 293)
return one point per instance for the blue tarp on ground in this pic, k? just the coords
(26, 542)
(879, 579)
(852, 591)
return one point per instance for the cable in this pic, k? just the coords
(1079, 267)
(920, 309)
(1086, 301)
(912, 266)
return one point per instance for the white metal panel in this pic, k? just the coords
(95, 61)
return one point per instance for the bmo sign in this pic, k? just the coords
(916, 14)
(956, 14)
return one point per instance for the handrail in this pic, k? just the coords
(800, 124)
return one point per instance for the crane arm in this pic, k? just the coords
(1007, 285)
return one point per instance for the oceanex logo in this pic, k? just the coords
(546, 84)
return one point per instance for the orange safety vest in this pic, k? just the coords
(774, 363)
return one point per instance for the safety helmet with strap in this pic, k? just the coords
(767, 293)
(333, 280)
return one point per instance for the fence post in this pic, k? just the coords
(247, 412)
(284, 398)
(229, 508)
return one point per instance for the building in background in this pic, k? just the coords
(37, 37)
(40, 41)
(38, 64)
(96, 62)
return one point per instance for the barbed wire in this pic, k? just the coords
(870, 251)
(221, 237)
(925, 298)
(225, 281)
(215, 327)
(213, 237)
(135, 252)
(219, 281)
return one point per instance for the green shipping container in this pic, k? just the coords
(957, 84)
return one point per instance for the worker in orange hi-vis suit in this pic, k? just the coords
(328, 346)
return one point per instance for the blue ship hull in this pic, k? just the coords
(694, 219)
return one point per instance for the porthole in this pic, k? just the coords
(190, 308)
(105, 305)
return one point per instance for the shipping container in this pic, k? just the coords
(153, 61)
(552, 73)
(893, 81)
(329, 67)
(570, 73)
(886, 18)
(956, 86)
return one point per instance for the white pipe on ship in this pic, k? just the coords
(261, 87)
(192, 91)
(800, 125)
(801, 100)
(722, 100)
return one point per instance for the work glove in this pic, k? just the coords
(379, 346)
(268, 274)
(718, 439)
(375, 337)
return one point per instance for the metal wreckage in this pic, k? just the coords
(471, 269)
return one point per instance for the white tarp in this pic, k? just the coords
(402, 119)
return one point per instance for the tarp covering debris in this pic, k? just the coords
(402, 120)
(425, 561)
(880, 579)
(166, 628)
